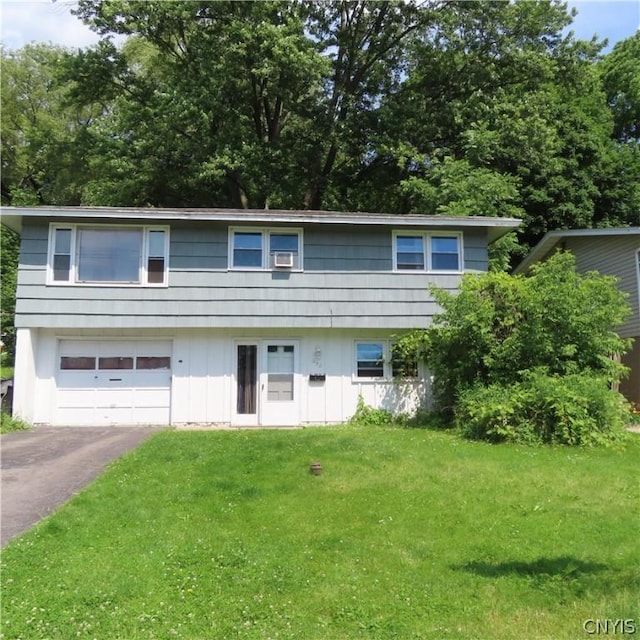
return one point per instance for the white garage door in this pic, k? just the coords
(113, 382)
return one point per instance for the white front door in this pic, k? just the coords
(279, 387)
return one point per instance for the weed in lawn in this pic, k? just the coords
(406, 534)
(8, 423)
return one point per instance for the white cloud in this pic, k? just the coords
(25, 21)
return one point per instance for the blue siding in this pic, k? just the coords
(347, 282)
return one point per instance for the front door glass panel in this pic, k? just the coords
(246, 378)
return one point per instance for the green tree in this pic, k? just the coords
(9, 251)
(259, 104)
(618, 199)
(499, 327)
(43, 150)
(499, 98)
(621, 81)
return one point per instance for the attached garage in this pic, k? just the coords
(105, 382)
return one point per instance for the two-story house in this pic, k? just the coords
(231, 317)
(613, 252)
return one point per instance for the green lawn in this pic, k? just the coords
(407, 534)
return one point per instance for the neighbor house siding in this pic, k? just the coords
(616, 256)
(353, 291)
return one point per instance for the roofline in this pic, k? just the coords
(497, 227)
(552, 238)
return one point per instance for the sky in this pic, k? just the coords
(25, 21)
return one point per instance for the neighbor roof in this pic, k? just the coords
(496, 227)
(552, 238)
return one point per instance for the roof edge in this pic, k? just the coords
(12, 217)
(552, 238)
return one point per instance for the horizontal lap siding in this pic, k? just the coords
(355, 288)
(616, 256)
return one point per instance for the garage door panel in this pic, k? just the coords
(76, 398)
(151, 379)
(128, 382)
(76, 379)
(150, 398)
(114, 415)
(115, 380)
(76, 416)
(114, 397)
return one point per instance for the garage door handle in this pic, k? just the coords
(115, 379)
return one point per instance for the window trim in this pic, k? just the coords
(143, 266)
(387, 363)
(265, 235)
(427, 237)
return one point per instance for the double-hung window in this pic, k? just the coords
(108, 255)
(426, 251)
(381, 359)
(370, 359)
(265, 249)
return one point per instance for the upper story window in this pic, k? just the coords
(265, 249)
(108, 255)
(418, 251)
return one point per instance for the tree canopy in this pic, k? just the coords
(456, 108)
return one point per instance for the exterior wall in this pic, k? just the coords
(203, 376)
(630, 386)
(25, 375)
(617, 256)
(347, 282)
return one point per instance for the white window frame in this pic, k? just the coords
(387, 352)
(143, 275)
(265, 236)
(427, 237)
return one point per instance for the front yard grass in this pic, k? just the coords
(406, 534)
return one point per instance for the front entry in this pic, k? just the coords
(266, 385)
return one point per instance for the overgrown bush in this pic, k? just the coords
(499, 326)
(577, 409)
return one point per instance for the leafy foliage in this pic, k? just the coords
(368, 416)
(528, 358)
(438, 107)
(9, 251)
(500, 326)
(577, 409)
(9, 423)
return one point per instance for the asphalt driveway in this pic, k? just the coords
(43, 467)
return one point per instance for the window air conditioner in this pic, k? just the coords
(283, 259)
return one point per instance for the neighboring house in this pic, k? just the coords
(613, 252)
(232, 317)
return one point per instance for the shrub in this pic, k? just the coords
(498, 327)
(577, 409)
